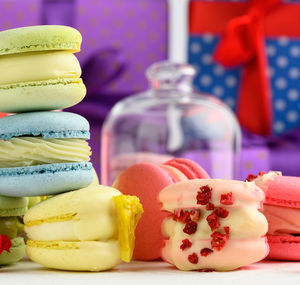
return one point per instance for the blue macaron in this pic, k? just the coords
(44, 153)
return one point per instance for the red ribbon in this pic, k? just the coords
(244, 26)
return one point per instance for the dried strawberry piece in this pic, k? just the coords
(186, 243)
(206, 270)
(193, 258)
(204, 195)
(227, 199)
(213, 221)
(190, 228)
(210, 206)
(261, 173)
(206, 251)
(222, 213)
(250, 177)
(5, 243)
(182, 216)
(227, 230)
(195, 215)
(218, 240)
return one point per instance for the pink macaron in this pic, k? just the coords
(282, 210)
(146, 180)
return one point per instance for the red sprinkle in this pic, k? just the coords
(186, 216)
(190, 228)
(195, 215)
(250, 177)
(210, 206)
(218, 240)
(222, 213)
(193, 258)
(213, 221)
(206, 270)
(204, 195)
(186, 243)
(206, 251)
(5, 243)
(182, 216)
(227, 230)
(227, 199)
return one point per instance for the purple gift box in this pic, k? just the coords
(121, 38)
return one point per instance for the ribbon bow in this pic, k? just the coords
(243, 44)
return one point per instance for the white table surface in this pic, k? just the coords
(27, 272)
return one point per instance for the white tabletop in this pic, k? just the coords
(142, 273)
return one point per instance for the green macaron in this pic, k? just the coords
(16, 252)
(39, 38)
(10, 225)
(12, 206)
(39, 70)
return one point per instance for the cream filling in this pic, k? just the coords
(37, 66)
(282, 220)
(244, 223)
(27, 151)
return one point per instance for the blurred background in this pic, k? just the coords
(246, 53)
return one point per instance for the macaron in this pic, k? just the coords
(282, 210)
(213, 224)
(146, 180)
(44, 153)
(91, 229)
(12, 247)
(39, 70)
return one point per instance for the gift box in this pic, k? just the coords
(121, 38)
(248, 54)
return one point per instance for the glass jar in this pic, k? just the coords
(170, 120)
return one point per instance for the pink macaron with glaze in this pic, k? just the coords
(282, 210)
(213, 224)
(146, 180)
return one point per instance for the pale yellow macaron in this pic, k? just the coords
(39, 70)
(91, 229)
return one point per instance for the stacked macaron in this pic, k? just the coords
(42, 152)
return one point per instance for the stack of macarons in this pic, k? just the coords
(42, 151)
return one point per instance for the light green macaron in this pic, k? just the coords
(12, 206)
(10, 225)
(39, 70)
(39, 38)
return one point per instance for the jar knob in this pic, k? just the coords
(167, 75)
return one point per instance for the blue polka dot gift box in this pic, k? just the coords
(247, 53)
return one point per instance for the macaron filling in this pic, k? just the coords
(282, 220)
(38, 66)
(29, 151)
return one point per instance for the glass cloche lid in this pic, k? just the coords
(170, 120)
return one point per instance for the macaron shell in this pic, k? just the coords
(39, 38)
(17, 252)
(145, 181)
(46, 179)
(284, 191)
(189, 168)
(41, 95)
(46, 124)
(76, 256)
(13, 206)
(285, 247)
